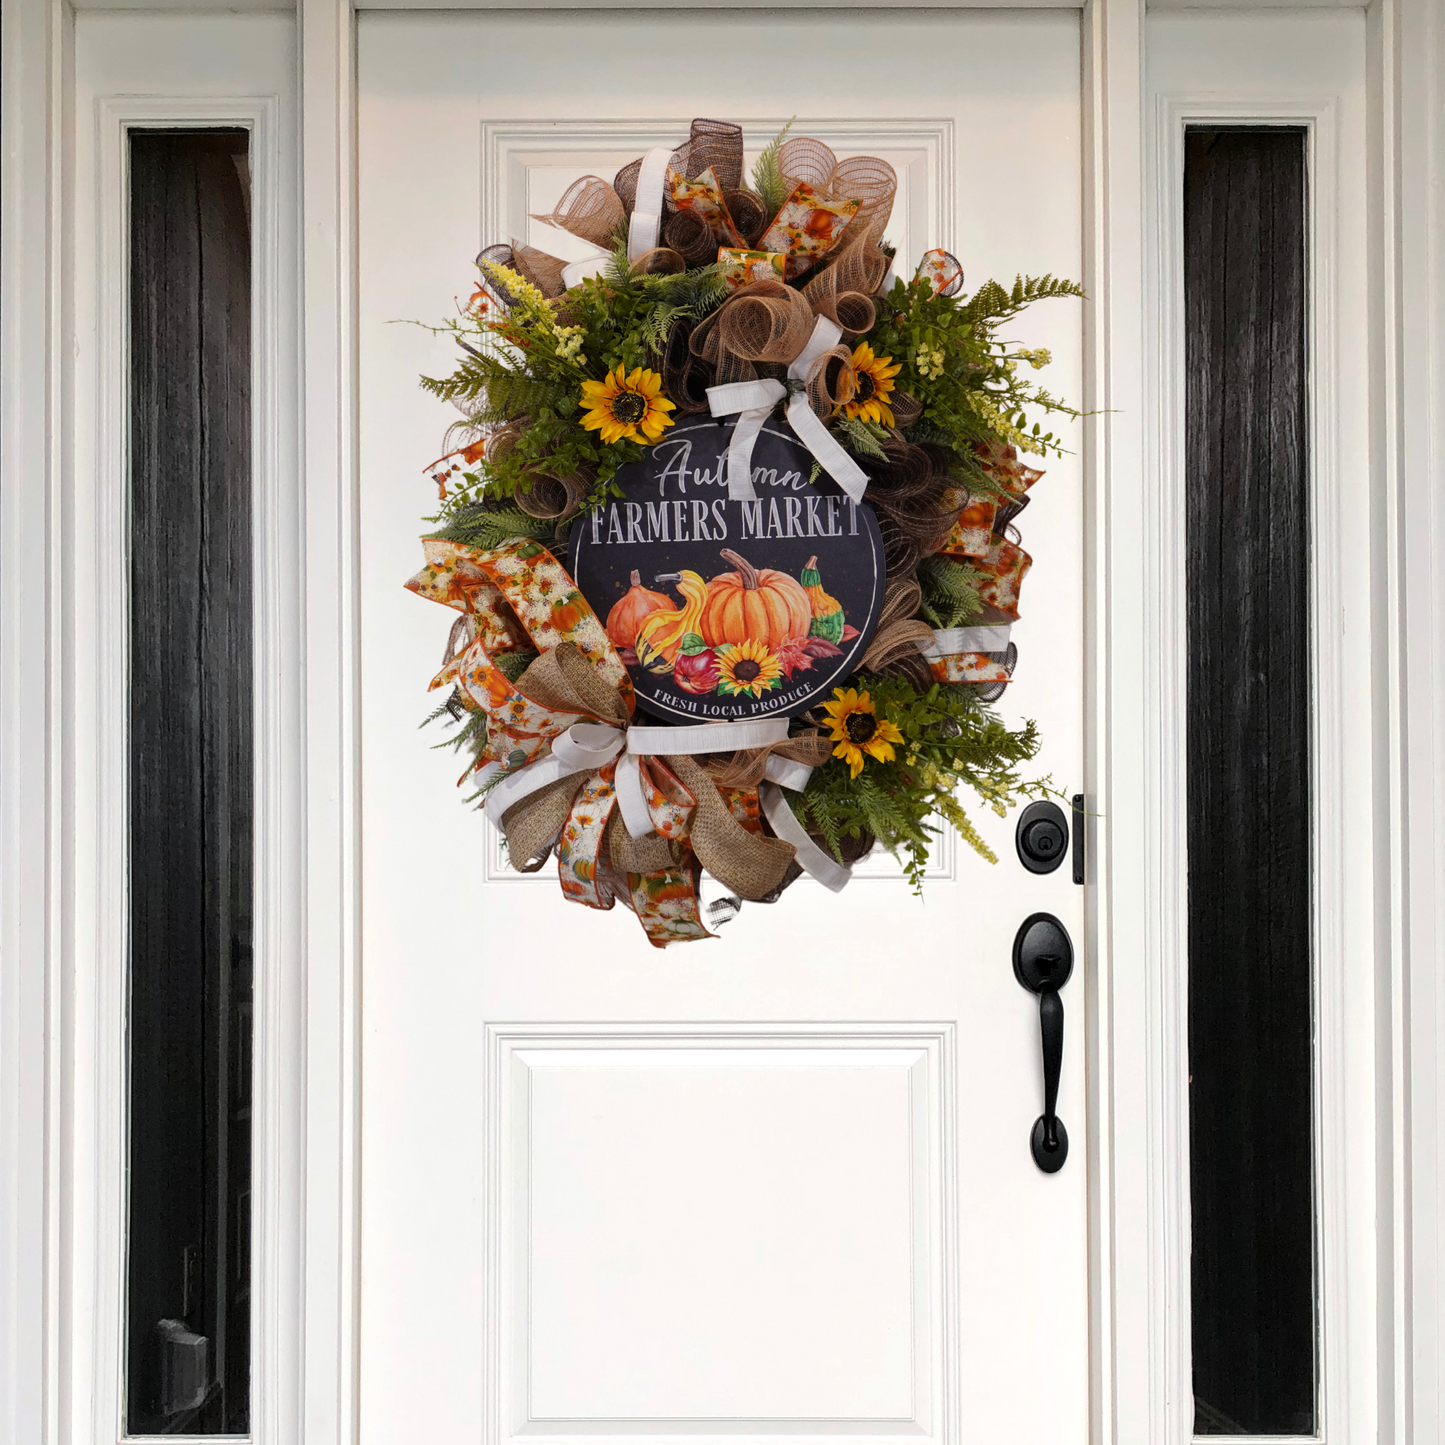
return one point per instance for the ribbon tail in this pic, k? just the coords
(740, 456)
(833, 875)
(631, 800)
(824, 447)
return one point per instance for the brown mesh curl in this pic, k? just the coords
(589, 209)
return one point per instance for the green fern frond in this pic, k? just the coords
(487, 527)
(950, 592)
(865, 437)
(768, 181)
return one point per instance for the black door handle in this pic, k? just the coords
(1043, 960)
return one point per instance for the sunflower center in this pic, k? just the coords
(629, 407)
(860, 727)
(867, 387)
(747, 670)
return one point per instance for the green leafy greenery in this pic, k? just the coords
(486, 527)
(971, 383)
(528, 366)
(949, 742)
(522, 369)
(865, 437)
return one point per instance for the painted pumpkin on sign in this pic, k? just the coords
(753, 605)
(628, 614)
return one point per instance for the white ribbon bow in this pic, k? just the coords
(587, 746)
(755, 400)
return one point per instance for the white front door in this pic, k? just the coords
(776, 1184)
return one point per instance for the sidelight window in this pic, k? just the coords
(1251, 1039)
(188, 1272)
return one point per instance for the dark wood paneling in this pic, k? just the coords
(1250, 961)
(191, 770)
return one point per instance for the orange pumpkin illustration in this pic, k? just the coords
(628, 613)
(753, 604)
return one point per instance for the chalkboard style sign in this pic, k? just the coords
(725, 609)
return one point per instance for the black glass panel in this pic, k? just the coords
(189, 1180)
(1250, 961)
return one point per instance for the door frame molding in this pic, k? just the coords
(1139, 1344)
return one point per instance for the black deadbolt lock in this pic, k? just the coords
(1042, 836)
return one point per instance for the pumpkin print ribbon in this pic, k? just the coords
(753, 401)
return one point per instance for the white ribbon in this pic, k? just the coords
(583, 748)
(578, 271)
(832, 874)
(755, 400)
(952, 640)
(646, 223)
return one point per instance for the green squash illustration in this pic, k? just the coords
(827, 611)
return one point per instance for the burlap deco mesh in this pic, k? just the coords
(554, 500)
(808, 160)
(659, 259)
(906, 407)
(745, 768)
(542, 270)
(843, 287)
(910, 495)
(589, 209)
(873, 182)
(831, 381)
(715, 143)
(765, 321)
(498, 255)
(684, 377)
(899, 633)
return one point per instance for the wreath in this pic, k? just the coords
(738, 364)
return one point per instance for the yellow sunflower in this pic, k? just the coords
(627, 406)
(857, 730)
(747, 667)
(875, 383)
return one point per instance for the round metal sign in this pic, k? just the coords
(727, 609)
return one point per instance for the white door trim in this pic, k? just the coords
(1407, 64)
(1138, 1255)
